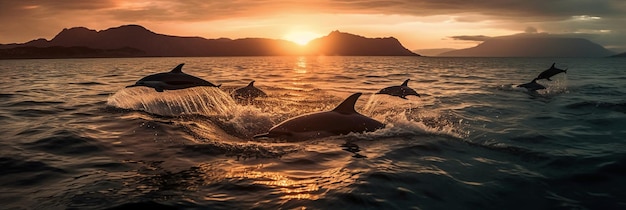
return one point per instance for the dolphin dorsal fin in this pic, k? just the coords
(251, 84)
(347, 106)
(552, 65)
(405, 83)
(178, 69)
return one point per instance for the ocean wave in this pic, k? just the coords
(66, 142)
(34, 103)
(24, 172)
(613, 106)
(86, 83)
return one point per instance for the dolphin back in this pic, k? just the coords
(339, 121)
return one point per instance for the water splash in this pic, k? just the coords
(405, 117)
(215, 115)
(206, 101)
(209, 113)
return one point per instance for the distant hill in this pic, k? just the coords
(146, 43)
(433, 52)
(533, 46)
(621, 55)
(339, 43)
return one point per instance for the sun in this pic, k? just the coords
(301, 37)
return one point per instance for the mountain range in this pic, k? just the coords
(532, 45)
(137, 41)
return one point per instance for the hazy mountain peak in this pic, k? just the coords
(533, 45)
(135, 29)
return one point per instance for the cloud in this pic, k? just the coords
(209, 10)
(471, 38)
(559, 16)
(530, 29)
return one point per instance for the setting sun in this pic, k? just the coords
(301, 37)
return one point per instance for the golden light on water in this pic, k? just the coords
(301, 65)
(289, 188)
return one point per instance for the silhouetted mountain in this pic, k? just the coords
(152, 44)
(533, 46)
(339, 43)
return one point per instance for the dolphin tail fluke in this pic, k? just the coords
(565, 71)
(218, 86)
(405, 83)
(178, 69)
(347, 106)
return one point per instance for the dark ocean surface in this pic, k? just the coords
(73, 137)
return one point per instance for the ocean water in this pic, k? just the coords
(73, 137)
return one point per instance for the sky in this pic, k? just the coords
(418, 24)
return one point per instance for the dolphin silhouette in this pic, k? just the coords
(550, 72)
(532, 86)
(172, 80)
(248, 92)
(339, 121)
(401, 91)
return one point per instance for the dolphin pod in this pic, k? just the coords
(342, 120)
(401, 91)
(172, 80)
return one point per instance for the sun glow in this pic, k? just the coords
(301, 37)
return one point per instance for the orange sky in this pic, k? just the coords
(418, 24)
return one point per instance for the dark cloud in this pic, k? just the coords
(511, 9)
(202, 9)
(530, 29)
(471, 38)
(181, 10)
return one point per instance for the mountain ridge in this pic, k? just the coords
(532, 46)
(152, 44)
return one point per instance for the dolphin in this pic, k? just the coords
(550, 72)
(339, 121)
(173, 80)
(248, 92)
(532, 86)
(401, 91)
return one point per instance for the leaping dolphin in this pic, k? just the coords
(401, 91)
(248, 93)
(550, 72)
(339, 121)
(532, 86)
(173, 80)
